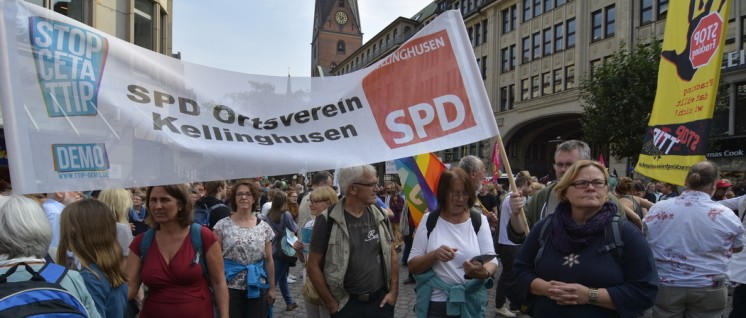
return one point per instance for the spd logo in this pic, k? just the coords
(69, 64)
(417, 94)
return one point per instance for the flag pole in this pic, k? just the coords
(511, 180)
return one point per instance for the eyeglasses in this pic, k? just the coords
(372, 184)
(243, 194)
(318, 201)
(459, 195)
(563, 164)
(583, 184)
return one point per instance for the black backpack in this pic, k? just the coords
(202, 213)
(432, 218)
(41, 296)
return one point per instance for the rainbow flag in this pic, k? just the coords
(419, 176)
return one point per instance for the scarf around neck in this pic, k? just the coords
(570, 237)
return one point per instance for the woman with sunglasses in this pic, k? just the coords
(247, 252)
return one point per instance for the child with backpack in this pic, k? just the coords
(24, 271)
(88, 230)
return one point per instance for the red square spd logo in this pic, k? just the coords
(418, 94)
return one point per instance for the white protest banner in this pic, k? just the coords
(85, 110)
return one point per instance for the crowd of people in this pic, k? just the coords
(588, 244)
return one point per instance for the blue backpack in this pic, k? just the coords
(41, 296)
(195, 234)
(202, 213)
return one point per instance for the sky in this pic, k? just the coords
(265, 37)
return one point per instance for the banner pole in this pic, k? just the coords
(511, 179)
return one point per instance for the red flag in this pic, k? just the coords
(496, 161)
(601, 159)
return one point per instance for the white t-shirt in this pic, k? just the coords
(460, 236)
(265, 207)
(504, 220)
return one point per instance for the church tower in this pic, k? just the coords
(336, 34)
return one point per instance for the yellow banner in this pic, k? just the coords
(679, 127)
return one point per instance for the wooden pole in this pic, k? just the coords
(511, 179)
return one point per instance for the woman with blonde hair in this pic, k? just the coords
(320, 200)
(119, 201)
(88, 230)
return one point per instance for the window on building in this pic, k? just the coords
(662, 9)
(535, 83)
(597, 27)
(513, 57)
(144, 24)
(470, 32)
(559, 40)
(537, 45)
(375, 48)
(526, 10)
(547, 41)
(505, 14)
(571, 33)
(557, 80)
(341, 47)
(513, 18)
(537, 8)
(507, 24)
(559, 3)
(165, 33)
(503, 99)
(570, 77)
(75, 9)
(484, 67)
(511, 96)
(594, 65)
(546, 85)
(743, 33)
(396, 35)
(505, 58)
(646, 11)
(525, 95)
(388, 40)
(548, 5)
(526, 50)
(730, 39)
(610, 29)
(484, 31)
(477, 35)
(740, 105)
(341, 3)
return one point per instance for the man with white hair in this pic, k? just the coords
(353, 265)
(474, 167)
(53, 205)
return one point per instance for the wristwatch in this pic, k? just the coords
(593, 296)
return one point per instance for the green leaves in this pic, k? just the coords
(618, 98)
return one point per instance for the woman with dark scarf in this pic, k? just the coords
(573, 276)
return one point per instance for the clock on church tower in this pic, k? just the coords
(336, 34)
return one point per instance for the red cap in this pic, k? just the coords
(723, 184)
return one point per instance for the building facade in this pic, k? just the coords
(533, 54)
